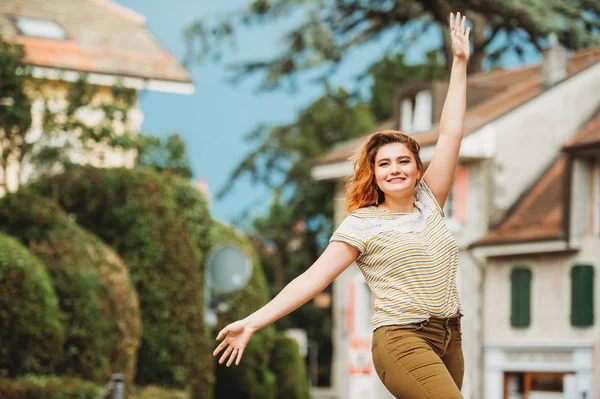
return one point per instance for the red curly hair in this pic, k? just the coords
(361, 189)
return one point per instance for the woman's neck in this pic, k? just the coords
(401, 204)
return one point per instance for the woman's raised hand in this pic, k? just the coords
(460, 36)
(237, 335)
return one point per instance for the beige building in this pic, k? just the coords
(108, 42)
(541, 334)
(516, 122)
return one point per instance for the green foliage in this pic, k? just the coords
(111, 130)
(64, 111)
(331, 29)
(392, 71)
(164, 155)
(99, 306)
(15, 106)
(289, 368)
(30, 325)
(159, 224)
(156, 392)
(256, 293)
(288, 236)
(252, 379)
(37, 387)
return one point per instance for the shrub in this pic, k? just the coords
(159, 224)
(155, 392)
(30, 326)
(252, 378)
(289, 368)
(51, 387)
(99, 306)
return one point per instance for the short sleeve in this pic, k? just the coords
(351, 231)
(427, 195)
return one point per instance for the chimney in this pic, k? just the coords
(554, 62)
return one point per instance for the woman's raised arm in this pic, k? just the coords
(333, 261)
(440, 173)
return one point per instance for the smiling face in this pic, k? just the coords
(396, 170)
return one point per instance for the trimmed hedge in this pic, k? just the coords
(155, 392)
(51, 387)
(99, 306)
(252, 379)
(290, 369)
(30, 326)
(159, 224)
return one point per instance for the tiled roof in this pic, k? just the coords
(507, 89)
(102, 37)
(538, 215)
(588, 135)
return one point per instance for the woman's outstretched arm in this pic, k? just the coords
(440, 173)
(334, 260)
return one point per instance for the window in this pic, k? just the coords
(582, 296)
(40, 28)
(520, 279)
(416, 112)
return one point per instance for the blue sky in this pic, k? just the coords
(214, 120)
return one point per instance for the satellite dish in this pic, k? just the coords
(229, 269)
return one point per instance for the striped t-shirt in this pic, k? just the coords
(409, 260)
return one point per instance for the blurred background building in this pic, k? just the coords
(516, 127)
(109, 43)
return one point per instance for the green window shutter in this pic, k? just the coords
(582, 296)
(520, 279)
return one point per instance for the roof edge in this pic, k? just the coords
(104, 79)
(123, 11)
(539, 246)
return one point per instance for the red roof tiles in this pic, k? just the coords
(588, 135)
(102, 37)
(538, 216)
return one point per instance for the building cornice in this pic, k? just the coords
(101, 79)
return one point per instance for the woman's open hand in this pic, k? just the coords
(460, 37)
(237, 335)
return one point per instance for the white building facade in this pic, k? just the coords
(541, 334)
(515, 124)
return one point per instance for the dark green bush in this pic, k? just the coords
(34, 387)
(156, 392)
(159, 224)
(252, 379)
(289, 368)
(30, 326)
(99, 306)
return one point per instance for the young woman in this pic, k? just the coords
(396, 234)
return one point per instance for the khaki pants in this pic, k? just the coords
(421, 360)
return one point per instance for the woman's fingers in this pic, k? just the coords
(463, 24)
(225, 354)
(219, 348)
(451, 21)
(467, 34)
(232, 357)
(223, 333)
(239, 357)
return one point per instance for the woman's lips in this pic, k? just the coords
(397, 180)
